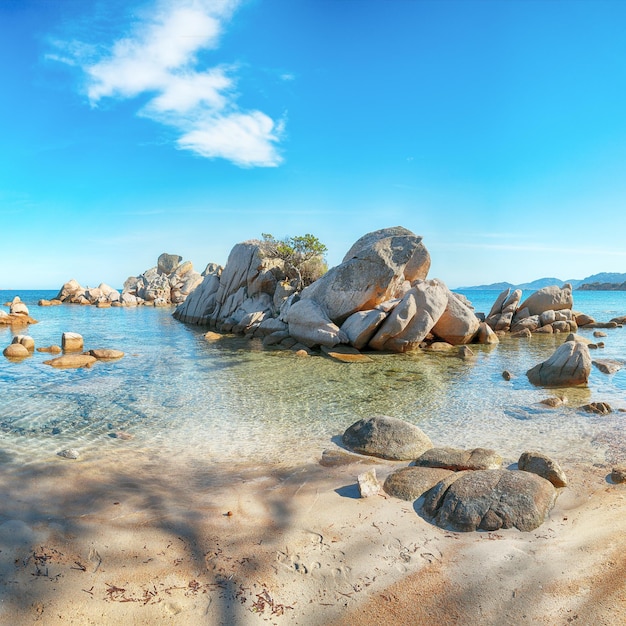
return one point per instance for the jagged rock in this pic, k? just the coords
(72, 361)
(410, 483)
(457, 460)
(494, 499)
(368, 484)
(549, 298)
(71, 342)
(599, 408)
(412, 318)
(569, 365)
(543, 466)
(465, 352)
(200, 304)
(387, 438)
(530, 323)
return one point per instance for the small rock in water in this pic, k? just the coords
(600, 408)
(122, 435)
(69, 453)
(553, 401)
(368, 484)
(507, 375)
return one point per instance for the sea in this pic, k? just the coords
(231, 402)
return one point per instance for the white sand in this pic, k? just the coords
(136, 539)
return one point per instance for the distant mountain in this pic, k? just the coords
(604, 280)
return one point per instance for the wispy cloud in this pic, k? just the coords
(160, 59)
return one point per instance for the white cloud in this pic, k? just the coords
(160, 59)
(244, 138)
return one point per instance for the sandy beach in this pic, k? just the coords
(139, 538)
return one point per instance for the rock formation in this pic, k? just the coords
(569, 365)
(170, 282)
(377, 298)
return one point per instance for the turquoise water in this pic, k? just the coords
(230, 401)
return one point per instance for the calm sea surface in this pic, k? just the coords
(230, 401)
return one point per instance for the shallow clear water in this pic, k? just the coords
(226, 401)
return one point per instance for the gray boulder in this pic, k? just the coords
(387, 438)
(543, 466)
(410, 483)
(361, 326)
(457, 460)
(569, 365)
(494, 499)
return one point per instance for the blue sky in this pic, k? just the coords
(497, 130)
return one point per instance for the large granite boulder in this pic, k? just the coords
(458, 323)
(492, 499)
(549, 298)
(387, 438)
(569, 365)
(246, 285)
(372, 272)
(413, 318)
(504, 308)
(167, 263)
(309, 324)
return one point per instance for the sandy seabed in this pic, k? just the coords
(142, 538)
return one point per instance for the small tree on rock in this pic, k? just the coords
(303, 255)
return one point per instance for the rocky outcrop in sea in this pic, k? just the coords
(169, 282)
(378, 298)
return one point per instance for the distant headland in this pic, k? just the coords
(604, 281)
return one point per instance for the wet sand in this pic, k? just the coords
(139, 537)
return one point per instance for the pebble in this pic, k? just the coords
(69, 453)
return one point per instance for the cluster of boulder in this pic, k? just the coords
(72, 345)
(464, 490)
(18, 314)
(169, 282)
(378, 298)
